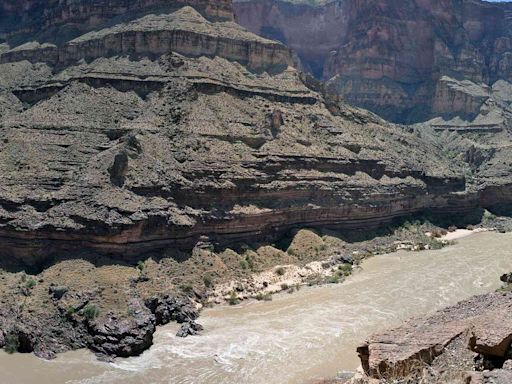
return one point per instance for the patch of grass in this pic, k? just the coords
(505, 289)
(91, 311)
(12, 343)
(280, 271)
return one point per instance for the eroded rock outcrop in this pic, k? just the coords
(473, 335)
(390, 56)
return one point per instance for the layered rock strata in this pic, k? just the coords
(174, 127)
(390, 56)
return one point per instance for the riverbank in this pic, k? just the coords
(312, 333)
(114, 309)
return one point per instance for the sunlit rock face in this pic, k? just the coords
(388, 56)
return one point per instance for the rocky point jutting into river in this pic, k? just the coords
(165, 129)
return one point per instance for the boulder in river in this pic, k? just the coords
(190, 328)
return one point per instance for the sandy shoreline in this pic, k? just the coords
(461, 233)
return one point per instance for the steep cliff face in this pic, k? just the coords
(311, 31)
(148, 133)
(390, 55)
(57, 20)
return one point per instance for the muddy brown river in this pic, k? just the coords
(295, 338)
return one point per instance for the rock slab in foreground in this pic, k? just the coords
(407, 349)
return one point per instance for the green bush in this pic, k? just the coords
(70, 311)
(91, 311)
(207, 280)
(264, 297)
(244, 264)
(233, 298)
(141, 265)
(30, 283)
(12, 343)
(346, 269)
(186, 287)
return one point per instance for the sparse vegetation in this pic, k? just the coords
(91, 311)
(141, 266)
(280, 271)
(186, 287)
(208, 280)
(70, 311)
(244, 264)
(284, 286)
(335, 278)
(452, 228)
(30, 283)
(12, 343)
(438, 232)
(263, 297)
(233, 298)
(346, 269)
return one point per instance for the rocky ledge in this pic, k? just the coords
(467, 343)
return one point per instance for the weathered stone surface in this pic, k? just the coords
(124, 337)
(44, 19)
(389, 56)
(189, 329)
(313, 31)
(405, 350)
(491, 334)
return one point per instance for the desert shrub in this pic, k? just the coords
(12, 343)
(346, 269)
(233, 298)
(30, 283)
(280, 271)
(207, 280)
(452, 228)
(91, 311)
(334, 279)
(264, 297)
(284, 286)
(470, 227)
(141, 266)
(244, 264)
(186, 287)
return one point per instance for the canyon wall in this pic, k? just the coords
(55, 20)
(388, 56)
(312, 32)
(148, 134)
